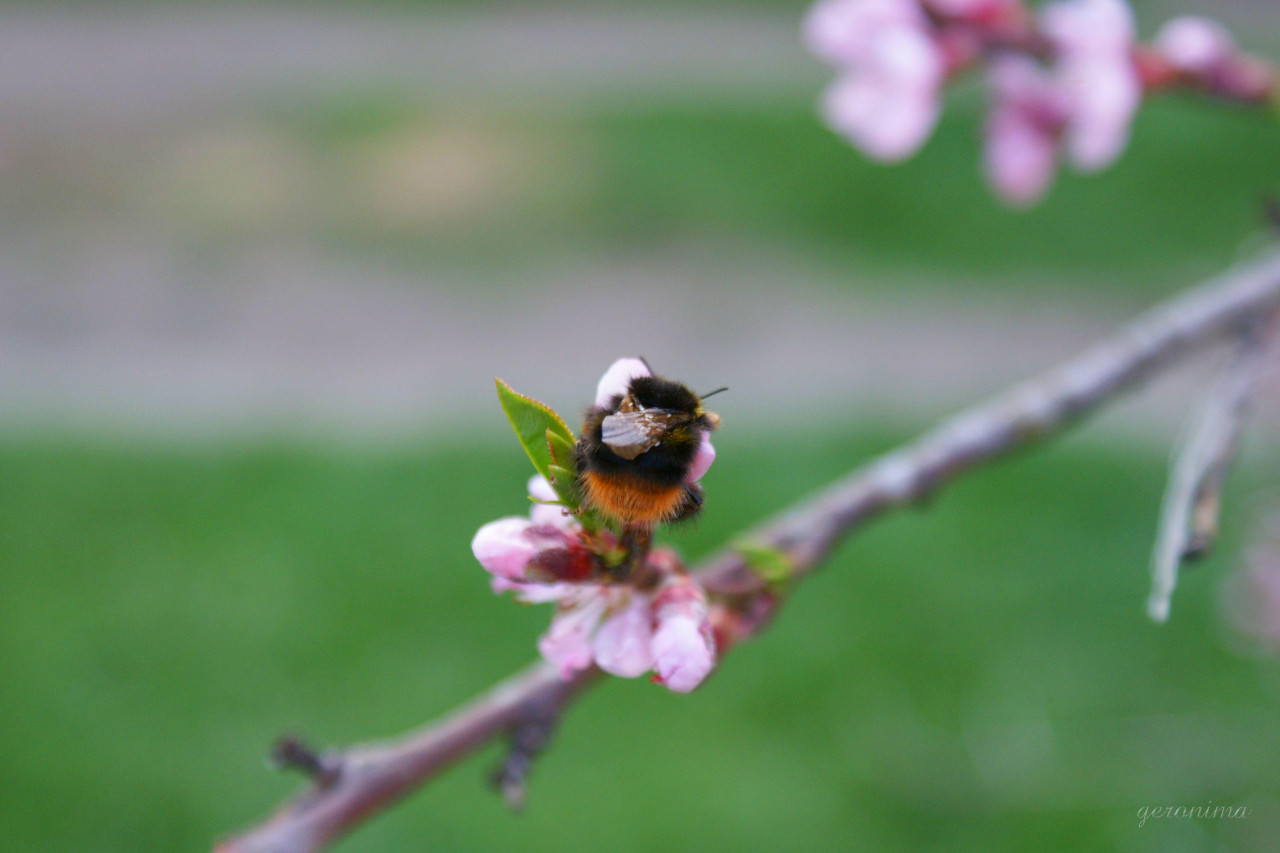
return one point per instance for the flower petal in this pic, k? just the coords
(567, 643)
(887, 122)
(702, 459)
(1089, 27)
(682, 653)
(1194, 44)
(552, 514)
(1104, 96)
(618, 378)
(622, 644)
(843, 31)
(503, 548)
(534, 593)
(683, 646)
(1018, 158)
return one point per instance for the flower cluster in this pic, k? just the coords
(655, 620)
(1063, 83)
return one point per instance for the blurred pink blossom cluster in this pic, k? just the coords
(659, 623)
(1253, 599)
(1063, 82)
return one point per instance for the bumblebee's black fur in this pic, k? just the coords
(667, 462)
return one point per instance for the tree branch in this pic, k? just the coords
(1193, 501)
(366, 779)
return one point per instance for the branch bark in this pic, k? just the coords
(1193, 499)
(368, 779)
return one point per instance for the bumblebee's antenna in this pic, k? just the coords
(717, 391)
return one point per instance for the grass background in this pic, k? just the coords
(978, 674)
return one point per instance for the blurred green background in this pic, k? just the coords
(262, 264)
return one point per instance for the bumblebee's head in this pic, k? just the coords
(654, 392)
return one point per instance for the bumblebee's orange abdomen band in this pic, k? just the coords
(631, 500)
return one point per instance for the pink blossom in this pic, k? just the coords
(1195, 45)
(885, 99)
(973, 10)
(503, 547)
(843, 31)
(621, 646)
(1088, 27)
(618, 378)
(517, 549)
(547, 558)
(567, 643)
(683, 646)
(702, 459)
(1095, 70)
(1021, 133)
(1253, 599)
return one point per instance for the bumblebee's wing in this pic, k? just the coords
(628, 434)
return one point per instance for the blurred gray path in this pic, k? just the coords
(134, 63)
(278, 341)
(107, 319)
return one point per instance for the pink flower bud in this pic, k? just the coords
(702, 459)
(621, 646)
(503, 548)
(886, 123)
(519, 550)
(1020, 150)
(1088, 27)
(683, 646)
(1018, 157)
(885, 100)
(618, 378)
(1104, 96)
(1095, 70)
(1195, 45)
(842, 31)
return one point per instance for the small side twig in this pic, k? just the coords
(291, 752)
(529, 736)
(1193, 500)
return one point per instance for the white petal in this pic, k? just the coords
(618, 377)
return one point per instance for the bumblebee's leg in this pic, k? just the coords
(690, 504)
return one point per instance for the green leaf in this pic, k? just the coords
(772, 566)
(532, 422)
(561, 449)
(562, 480)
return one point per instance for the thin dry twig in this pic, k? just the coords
(1193, 500)
(370, 778)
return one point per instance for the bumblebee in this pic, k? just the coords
(634, 453)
